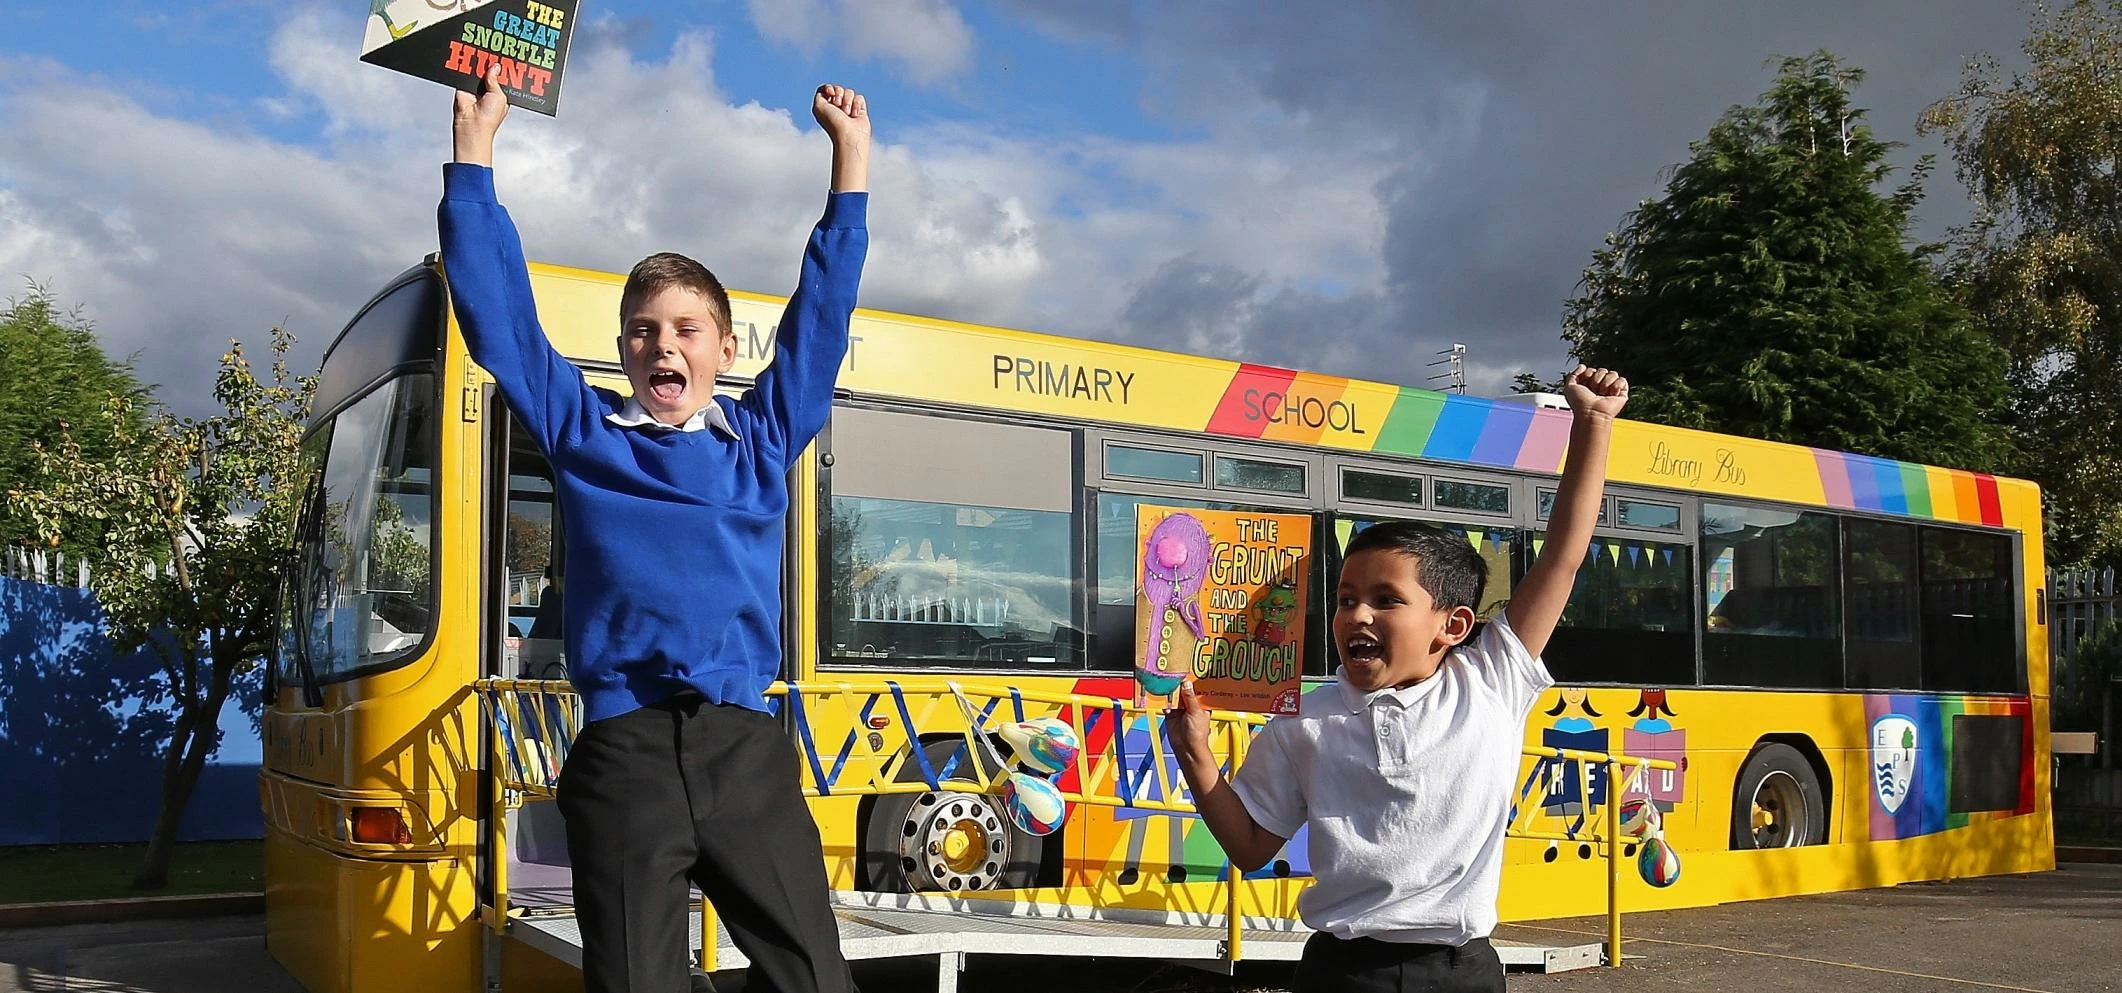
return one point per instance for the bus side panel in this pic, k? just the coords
(840, 838)
(339, 925)
(302, 931)
(422, 930)
(527, 970)
(338, 922)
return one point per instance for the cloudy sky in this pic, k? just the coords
(1345, 186)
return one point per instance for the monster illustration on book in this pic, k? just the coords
(1174, 567)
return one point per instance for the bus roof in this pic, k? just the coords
(935, 361)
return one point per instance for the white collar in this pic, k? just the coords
(1358, 701)
(636, 416)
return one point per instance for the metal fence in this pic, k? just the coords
(2079, 602)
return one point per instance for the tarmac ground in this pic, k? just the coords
(2054, 932)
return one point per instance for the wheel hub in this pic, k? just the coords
(954, 841)
(1779, 812)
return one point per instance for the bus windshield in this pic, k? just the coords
(360, 595)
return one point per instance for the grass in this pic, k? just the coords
(98, 872)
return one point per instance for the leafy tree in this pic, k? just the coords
(1528, 383)
(2041, 264)
(1773, 292)
(196, 517)
(530, 544)
(53, 374)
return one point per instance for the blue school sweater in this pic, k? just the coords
(673, 537)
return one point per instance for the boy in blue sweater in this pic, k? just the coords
(674, 502)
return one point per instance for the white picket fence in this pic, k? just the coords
(35, 565)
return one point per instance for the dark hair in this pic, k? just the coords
(1445, 564)
(664, 270)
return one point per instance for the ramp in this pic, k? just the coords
(882, 926)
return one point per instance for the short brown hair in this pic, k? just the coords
(664, 270)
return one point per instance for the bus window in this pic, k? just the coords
(362, 594)
(1547, 509)
(1113, 609)
(1153, 463)
(1459, 494)
(1969, 620)
(1381, 487)
(1630, 618)
(952, 541)
(1771, 579)
(535, 566)
(1879, 559)
(1234, 473)
(1645, 515)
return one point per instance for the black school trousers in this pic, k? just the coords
(687, 791)
(1367, 965)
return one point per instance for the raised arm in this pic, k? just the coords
(844, 114)
(489, 285)
(1595, 399)
(795, 393)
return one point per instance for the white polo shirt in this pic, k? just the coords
(1407, 793)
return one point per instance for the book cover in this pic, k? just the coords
(453, 42)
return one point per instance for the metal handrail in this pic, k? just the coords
(534, 723)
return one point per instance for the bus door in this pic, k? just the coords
(526, 580)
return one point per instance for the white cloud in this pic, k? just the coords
(176, 235)
(928, 38)
(801, 23)
(928, 41)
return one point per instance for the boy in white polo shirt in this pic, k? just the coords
(1405, 770)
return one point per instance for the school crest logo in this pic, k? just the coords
(1893, 760)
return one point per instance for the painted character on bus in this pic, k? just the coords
(1565, 779)
(1654, 737)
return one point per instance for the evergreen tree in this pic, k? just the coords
(54, 375)
(1773, 292)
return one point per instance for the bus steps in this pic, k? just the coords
(882, 926)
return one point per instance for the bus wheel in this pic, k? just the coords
(945, 840)
(1778, 802)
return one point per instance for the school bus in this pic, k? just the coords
(1841, 658)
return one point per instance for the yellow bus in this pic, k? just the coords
(1842, 658)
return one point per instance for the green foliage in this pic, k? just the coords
(1773, 292)
(2040, 266)
(195, 517)
(54, 378)
(1528, 383)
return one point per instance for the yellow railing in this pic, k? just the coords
(889, 723)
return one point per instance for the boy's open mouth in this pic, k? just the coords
(1362, 650)
(666, 386)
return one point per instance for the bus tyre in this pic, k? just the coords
(945, 840)
(1778, 802)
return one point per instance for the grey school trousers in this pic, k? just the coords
(681, 791)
